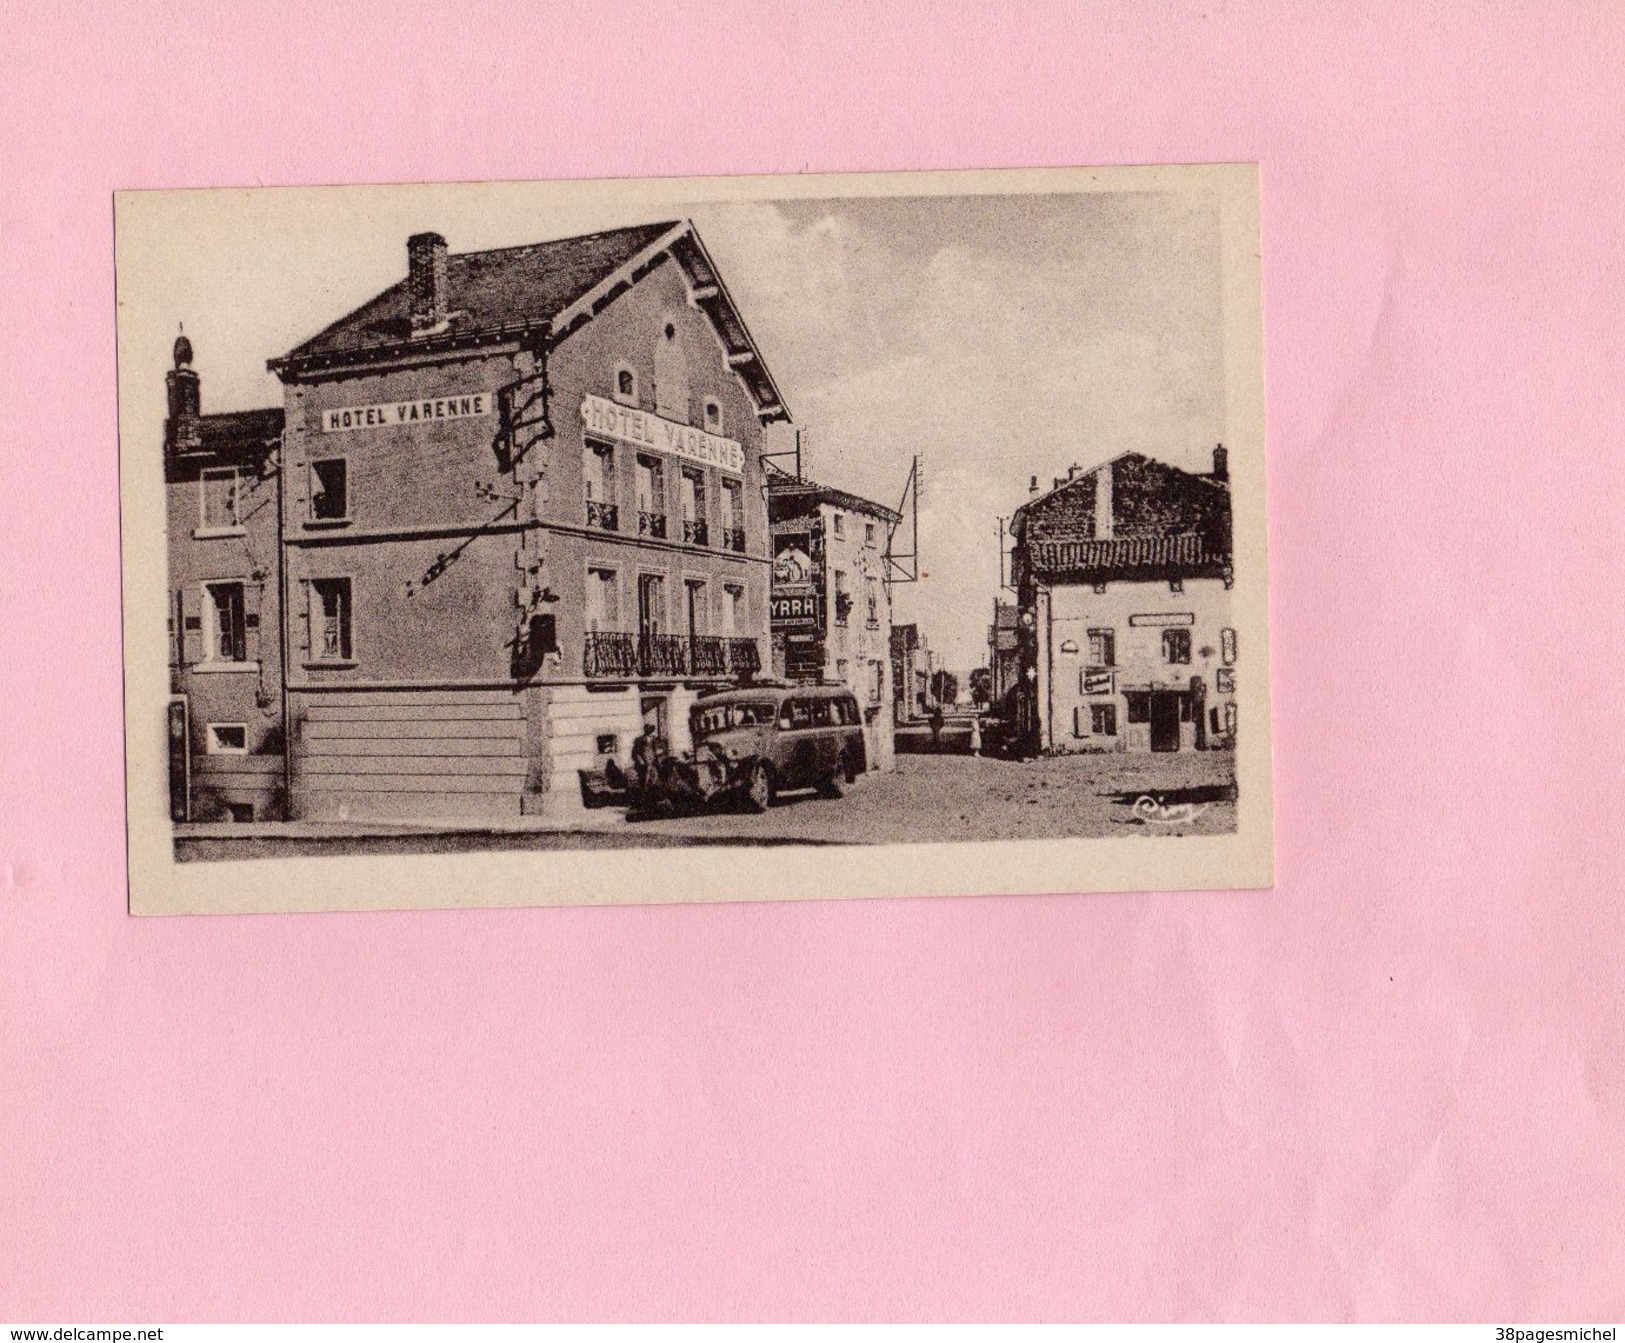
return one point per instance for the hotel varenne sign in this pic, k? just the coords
(341, 419)
(643, 430)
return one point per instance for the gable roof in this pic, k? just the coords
(800, 491)
(1165, 522)
(545, 289)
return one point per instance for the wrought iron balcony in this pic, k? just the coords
(610, 653)
(662, 655)
(708, 656)
(619, 656)
(744, 658)
(652, 524)
(602, 515)
(695, 532)
(733, 538)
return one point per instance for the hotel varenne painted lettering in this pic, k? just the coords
(644, 430)
(341, 419)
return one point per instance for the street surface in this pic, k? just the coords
(928, 799)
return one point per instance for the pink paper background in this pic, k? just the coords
(1391, 1088)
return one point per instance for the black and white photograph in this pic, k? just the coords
(670, 540)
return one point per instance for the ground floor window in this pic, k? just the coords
(227, 739)
(1139, 707)
(330, 619)
(1103, 720)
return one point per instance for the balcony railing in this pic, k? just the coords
(622, 656)
(733, 538)
(652, 524)
(708, 656)
(604, 516)
(744, 658)
(695, 532)
(611, 654)
(662, 655)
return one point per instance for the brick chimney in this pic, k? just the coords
(426, 282)
(185, 399)
(1221, 463)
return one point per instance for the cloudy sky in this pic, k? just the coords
(999, 337)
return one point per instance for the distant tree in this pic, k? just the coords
(944, 687)
(981, 687)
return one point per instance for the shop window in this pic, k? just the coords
(228, 623)
(330, 620)
(1139, 707)
(1103, 720)
(1227, 647)
(227, 739)
(1176, 646)
(329, 490)
(1103, 648)
(218, 501)
(607, 743)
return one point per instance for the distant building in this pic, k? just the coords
(1002, 650)
(831, 603)
(1123, 577)
(913, 663)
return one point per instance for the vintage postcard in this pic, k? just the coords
(762, 538)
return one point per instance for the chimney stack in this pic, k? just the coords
(426, 282)
(185, 398)
(1221, 463)
(1032, 490)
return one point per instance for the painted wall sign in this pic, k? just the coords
(341, 419)
(792, 559)
(1165, 618)
(1098, 680)
(658, 434)
(789, 610)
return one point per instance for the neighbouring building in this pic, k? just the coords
(831, 599)
(1123, 576)
(522, 515)
(226, 736)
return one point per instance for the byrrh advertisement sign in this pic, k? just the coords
(644, 430)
